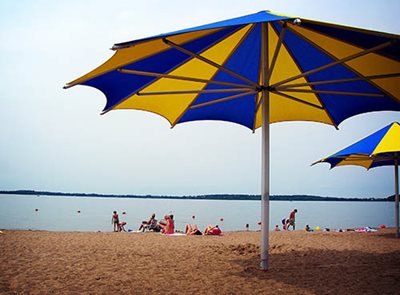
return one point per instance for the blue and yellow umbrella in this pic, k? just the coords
(254, 70)
(381, 148)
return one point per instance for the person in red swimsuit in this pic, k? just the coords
(169, 226)
(212, 230)
(292, 219)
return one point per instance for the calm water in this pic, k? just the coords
(61, 213)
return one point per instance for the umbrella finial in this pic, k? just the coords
(297, 22)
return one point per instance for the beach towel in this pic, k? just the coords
(215, 231)
(365, 230)
(175, 235)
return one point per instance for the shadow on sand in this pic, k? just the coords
(325, 271)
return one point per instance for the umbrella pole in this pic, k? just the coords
(265, 153)
(265, 184)
(396, 180)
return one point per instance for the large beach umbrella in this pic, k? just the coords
(254, 70)
(381, 148)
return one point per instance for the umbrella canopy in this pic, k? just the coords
(254, 70)
(314, 72)
(381, 148)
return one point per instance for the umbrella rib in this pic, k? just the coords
(221, 100)
(389, 43)
(192, 91)
(332, 92)
(212, 102)
(359, 157)
(306, 78)
(272, 66)
(336, 62)
(354, 157)
(176, 77)
(382, 159)
(258, 105)
(210, 62)
(298, 100)
(195, 98)
(383, 76)
(276, 52)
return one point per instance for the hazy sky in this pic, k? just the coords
(56, 140)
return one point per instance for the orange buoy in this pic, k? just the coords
(383, 226)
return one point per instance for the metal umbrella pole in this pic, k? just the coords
(396, 180)
(265, 152)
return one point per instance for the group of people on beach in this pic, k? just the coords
(118, 225)
(167, 226)
(288, 222)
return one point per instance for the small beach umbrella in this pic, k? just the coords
(254, 70)
(381, 148)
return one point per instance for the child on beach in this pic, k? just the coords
(115, 220)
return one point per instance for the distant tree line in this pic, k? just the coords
(200, 197)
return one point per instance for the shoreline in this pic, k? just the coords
(301, 262)
(208, 197)
(4, 230)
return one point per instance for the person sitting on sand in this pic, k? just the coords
(169, 226)
(277, 228)
(115, 220)
(212, 230)
(153, 226)
(308, 228)
(121, 226)
(192, 229)
(146, 224)
(163, 222)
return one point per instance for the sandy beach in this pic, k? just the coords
(41, 262)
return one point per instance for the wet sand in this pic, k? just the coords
(41, 262)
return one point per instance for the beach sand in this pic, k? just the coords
(41, 262)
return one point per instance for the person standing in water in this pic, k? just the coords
(115, 220)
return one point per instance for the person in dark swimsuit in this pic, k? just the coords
(115, 220)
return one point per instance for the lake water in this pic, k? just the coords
(61, 213)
